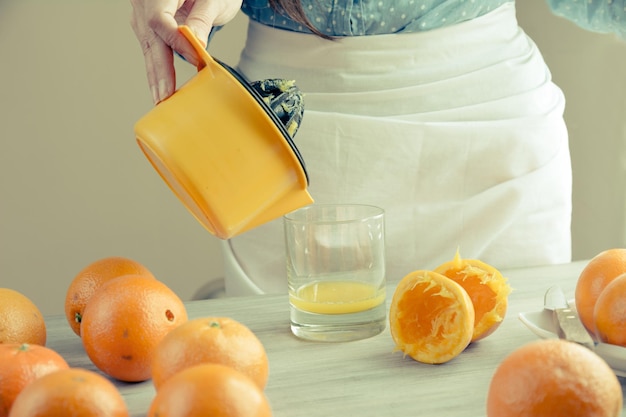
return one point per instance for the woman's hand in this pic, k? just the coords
(156, 22)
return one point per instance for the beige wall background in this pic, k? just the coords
(74, 186)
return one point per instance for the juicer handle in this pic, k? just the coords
(205, 58)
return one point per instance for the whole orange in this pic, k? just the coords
(487, 289)
(90, 278)
(209, 390)
(554, 378)
(70, 392)
(21, 320)
(431, 317)
(21, 364)
(125, 320)
(609, 314)
(219, 340)
(599, 271)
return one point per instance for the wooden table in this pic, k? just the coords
(362, 378)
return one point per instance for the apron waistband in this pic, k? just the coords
(483, 69)
(363, 63)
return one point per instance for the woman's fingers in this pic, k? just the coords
(155, 23)
(156, 30)
(205, 14)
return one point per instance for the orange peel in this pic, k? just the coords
(431, 317)
(486, 287)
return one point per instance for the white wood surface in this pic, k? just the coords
(362, 378)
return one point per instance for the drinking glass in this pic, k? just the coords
(336, 271)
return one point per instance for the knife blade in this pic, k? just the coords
(569, 325)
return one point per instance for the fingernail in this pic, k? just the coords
(155, 94)
(162, 90)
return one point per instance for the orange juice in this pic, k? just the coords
(337, 297)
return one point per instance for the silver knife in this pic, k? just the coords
(569, 325)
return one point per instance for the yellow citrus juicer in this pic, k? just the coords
(223, 151)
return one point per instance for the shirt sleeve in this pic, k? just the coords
(602, 16)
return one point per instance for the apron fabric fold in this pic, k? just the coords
(457, 133)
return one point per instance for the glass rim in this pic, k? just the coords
(299, 215)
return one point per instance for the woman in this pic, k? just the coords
(442, 112)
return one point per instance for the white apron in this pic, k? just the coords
(457, 133)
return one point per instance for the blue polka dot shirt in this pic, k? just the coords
(604, 16)
(373, 17)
